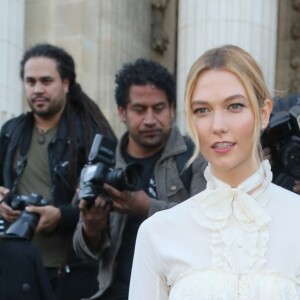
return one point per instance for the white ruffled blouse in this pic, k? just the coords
(224, 244)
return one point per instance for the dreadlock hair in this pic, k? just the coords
(78, 103)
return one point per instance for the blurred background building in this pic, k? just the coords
(102, 35)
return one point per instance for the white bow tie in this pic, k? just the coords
(219, 203)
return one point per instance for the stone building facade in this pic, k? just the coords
(288, 48)
(102, 35)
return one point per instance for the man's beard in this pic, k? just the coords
(49, 113)
(155, 143)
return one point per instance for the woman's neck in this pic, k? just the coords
(235, 177)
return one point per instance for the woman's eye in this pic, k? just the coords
(236, 106)
(200, 110)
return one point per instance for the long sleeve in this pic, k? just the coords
(81, 248)
(229, 243)
(147, 281)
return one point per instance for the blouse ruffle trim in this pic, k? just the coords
(233, 285)
(220, 202)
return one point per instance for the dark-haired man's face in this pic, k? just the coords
(148, 117)
(45, 91)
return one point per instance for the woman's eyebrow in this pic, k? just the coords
(229, 98)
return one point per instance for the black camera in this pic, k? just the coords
(25, 225)
(99, 170)
(282, 136)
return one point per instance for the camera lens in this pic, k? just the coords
(24, 226)
(291, 159)
(128, 178)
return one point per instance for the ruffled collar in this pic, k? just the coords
(219, 201)
(220, 204)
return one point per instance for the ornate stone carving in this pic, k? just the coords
(159, 38)
(295, 62)
(295, 48)
(295, 30)
(296, 5)
(159, 4)
(295, 83)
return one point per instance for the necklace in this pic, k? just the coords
(41, 136)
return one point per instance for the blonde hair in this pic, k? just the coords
(240, 63)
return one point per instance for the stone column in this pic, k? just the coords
(11, 50)
(122, 40)
(202, 24)
(100, 35)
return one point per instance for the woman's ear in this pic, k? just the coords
(265, 112)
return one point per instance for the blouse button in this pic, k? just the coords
(240, 245)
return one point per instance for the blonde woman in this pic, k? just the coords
(239, 238)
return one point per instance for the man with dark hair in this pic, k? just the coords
(43, 151)
(106, 232)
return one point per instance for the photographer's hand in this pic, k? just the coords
(137, 202)
(6, 211)
(296, 187)
(94, 220)
(49, 217)
(3, 192)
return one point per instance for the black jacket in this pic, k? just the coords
(22, 275)
(16, 133)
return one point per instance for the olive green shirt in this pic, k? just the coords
(36, 178)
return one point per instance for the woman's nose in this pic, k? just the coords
(220, 124)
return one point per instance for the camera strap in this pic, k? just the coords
(185, 173)
(12, 135)
(24, 145)
(4, 140)
(21, 164)
(64, 269)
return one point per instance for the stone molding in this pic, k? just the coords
(295, 48)
(159, 37)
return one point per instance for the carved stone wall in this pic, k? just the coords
(164, 33)
(295, 47)
(288, 49)
(102, 35)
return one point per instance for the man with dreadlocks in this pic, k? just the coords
(43, 151)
